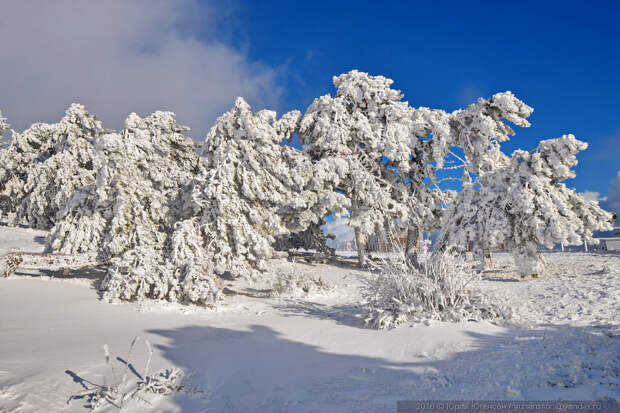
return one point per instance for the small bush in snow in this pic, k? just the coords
(291, 284)
(443, 289)
(131, 385)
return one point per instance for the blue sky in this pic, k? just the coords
(562, 58)
(194, 57)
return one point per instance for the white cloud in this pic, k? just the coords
(592, 196)
(612, 203)
(341, 229)
(118, 57)
(468, 94)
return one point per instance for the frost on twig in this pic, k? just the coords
(129, 384)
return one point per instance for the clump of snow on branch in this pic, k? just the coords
(444, 289)
(480, 128)
(44, 165)
(523, 205)
(252, 190)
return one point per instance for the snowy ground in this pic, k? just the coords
(310, 354)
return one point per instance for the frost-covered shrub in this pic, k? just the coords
(145, 272)
(127, 384)
(295, 285)
(444, 289)
(44, 165)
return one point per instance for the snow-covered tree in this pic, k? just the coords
(350, 135)
(45, 164)
(128, 214)
(170, 223)
(384, 155)
(4, 126)
(523, 205)
(252, 190)
(476, 132)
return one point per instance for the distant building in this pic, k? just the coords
(381, 243)
(610, 243)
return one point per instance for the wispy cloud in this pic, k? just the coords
(592, 196)
(607, 149)
(612, 201)
(118, 57)
(312, 54)
(468, 94)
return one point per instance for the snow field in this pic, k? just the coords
(296, 352)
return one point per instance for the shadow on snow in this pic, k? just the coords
(262, 370)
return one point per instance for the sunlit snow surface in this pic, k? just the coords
(310, 353)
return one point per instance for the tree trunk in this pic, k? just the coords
(389, 239)
(486, 260)
(381, 238)
(361, 250)
(414, 242)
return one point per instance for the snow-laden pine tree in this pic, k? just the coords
(350, 136)
(523, 205)
(129, 213)
(44, 165)
(383, 154)
(476, 132)
(252, 190)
